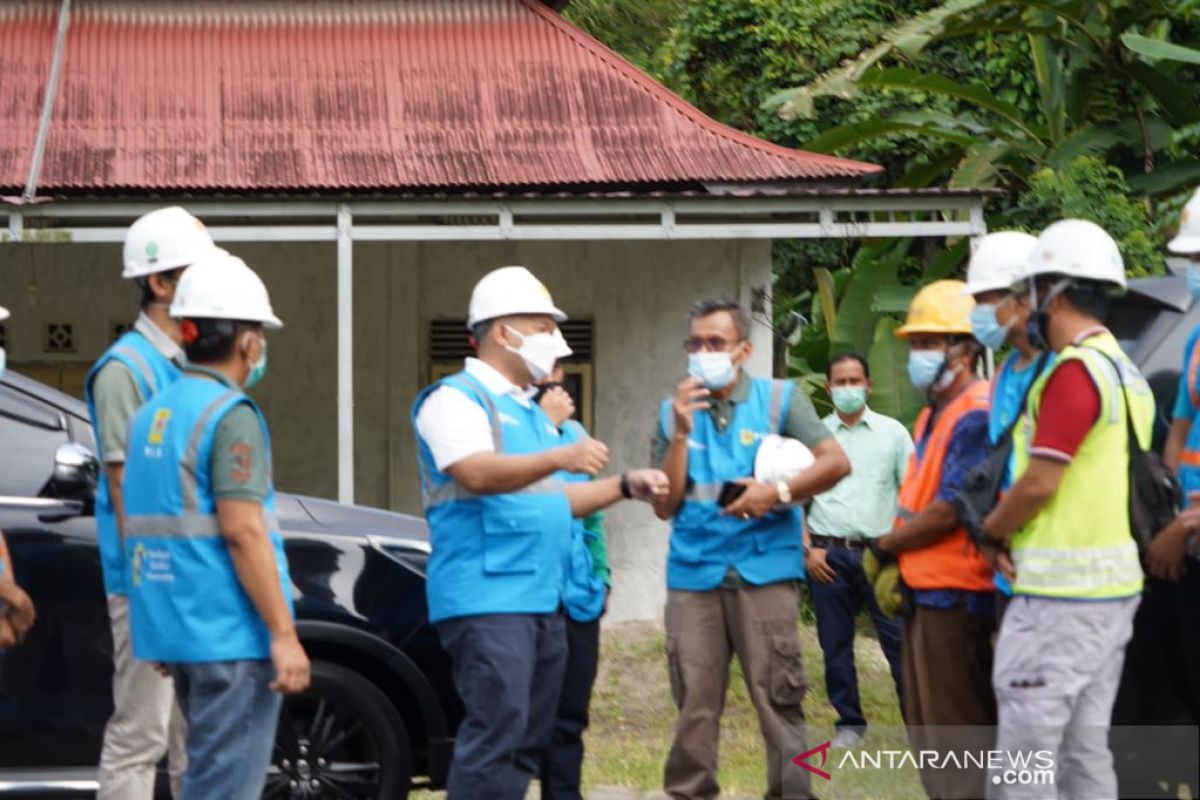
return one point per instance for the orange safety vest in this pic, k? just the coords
(952, 562)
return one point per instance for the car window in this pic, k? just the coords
(29, 436)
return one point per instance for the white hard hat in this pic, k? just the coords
(1187, 240)
(164, 239)
(781, 459)
(221, 286)
(1077, 248)
(999, 261)
(507, 291)
(3, 313)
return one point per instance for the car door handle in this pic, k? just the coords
(48, 509)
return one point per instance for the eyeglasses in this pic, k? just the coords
(716, 344)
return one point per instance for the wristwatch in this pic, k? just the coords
(785, 492)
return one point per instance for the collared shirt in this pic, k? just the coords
(863, 504)
(117, 395)
(454, 426)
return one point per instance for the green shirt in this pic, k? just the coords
(239, 466)
(864, 502)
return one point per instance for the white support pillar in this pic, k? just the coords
(345, 354)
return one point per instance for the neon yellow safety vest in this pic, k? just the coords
(1080, 545)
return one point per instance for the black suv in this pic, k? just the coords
(381, 711)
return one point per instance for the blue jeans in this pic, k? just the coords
(231, 715)
(837, 604)
(508, 670)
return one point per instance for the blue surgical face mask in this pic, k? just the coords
(715, 370)
(849, 399)
(1193, 280)
(924, 366)
(986, 328)
(258, 369)
(3, 360)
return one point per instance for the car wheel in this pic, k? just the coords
(342, 739)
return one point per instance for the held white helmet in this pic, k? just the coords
(164, 239)
(999, 262)
(221, 286)
(781, 459)
(1077, 248)
(508, 291)
(1187, 240)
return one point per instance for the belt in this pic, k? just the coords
(828, 542)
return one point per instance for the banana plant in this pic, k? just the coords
(1107, 78)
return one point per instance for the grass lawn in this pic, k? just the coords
(633, 717)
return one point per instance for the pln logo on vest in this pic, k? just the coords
(139, 558)
(749, 437)
(158, 428)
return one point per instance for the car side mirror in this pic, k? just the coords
(76, 470)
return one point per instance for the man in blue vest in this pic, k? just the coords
(209, 593)
(143, 362)
(500, 519)
(732, 572)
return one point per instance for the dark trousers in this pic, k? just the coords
(508, 669)
(562, 761)
(837, 605)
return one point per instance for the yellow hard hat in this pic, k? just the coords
(942, 307)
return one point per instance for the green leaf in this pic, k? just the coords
(893, 299)
(1047, 66)
(976, 93)
(875, 266)
(893, 393)
(1088, 139)
(844, 136)
(827, 292)
(1179, 107)
(945, 263)
(1160, 50)
(922, 174)
(978, 168)
(1166, 179)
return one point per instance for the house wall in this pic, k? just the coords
(637, 294)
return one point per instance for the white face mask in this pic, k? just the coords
(539, 351)
(3, 359)
(714, 369)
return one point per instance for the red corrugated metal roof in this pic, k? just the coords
(351, 96)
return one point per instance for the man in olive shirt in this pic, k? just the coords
(732, 570)
(840, 522)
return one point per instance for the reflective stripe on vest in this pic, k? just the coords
(1079, 545)
(952, 562)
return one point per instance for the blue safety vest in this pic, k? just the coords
(495, 554)
(583, 590)
(1189, 458)
(704, 543)
(153, 372)
(186, 603)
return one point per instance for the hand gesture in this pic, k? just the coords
(690, 396)
(587, 456)
(817, 567)
(291, 665)
(648, 484)
(758, 499)
(20, 612)
(558, 405)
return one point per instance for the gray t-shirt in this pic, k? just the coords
(117, 397)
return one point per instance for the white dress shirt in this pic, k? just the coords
(454, 426)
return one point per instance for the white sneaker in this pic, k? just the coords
(846, 738)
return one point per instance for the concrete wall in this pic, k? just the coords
(637, 293)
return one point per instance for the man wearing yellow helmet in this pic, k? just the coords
(946, 648)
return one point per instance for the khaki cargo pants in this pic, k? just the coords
(704, 629)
